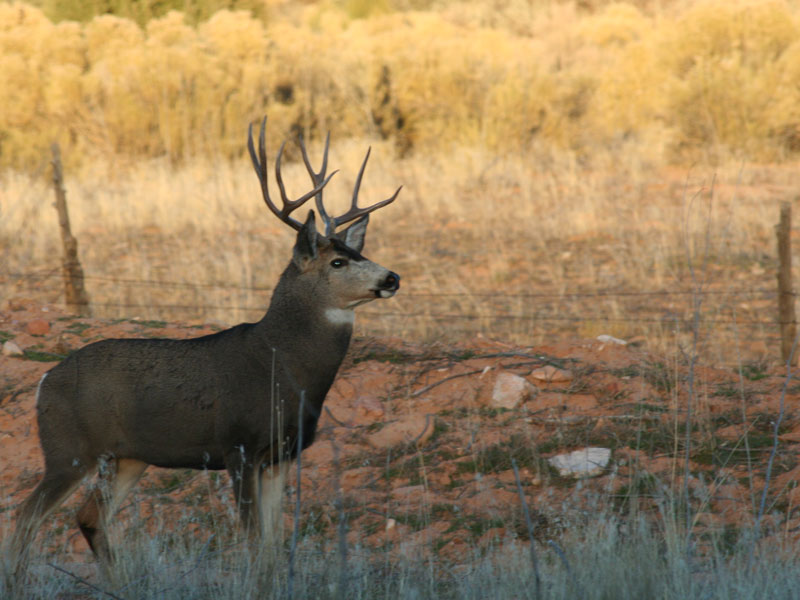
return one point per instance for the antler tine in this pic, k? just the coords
(260, 166)
(354, 212)
(317, 177)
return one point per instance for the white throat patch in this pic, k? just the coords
(340, 316)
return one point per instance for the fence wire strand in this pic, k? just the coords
(18, 279)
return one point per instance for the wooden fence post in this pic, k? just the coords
(786, 313)
(77, 299)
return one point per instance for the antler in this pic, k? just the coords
(331, 223)
(318, 179)
(260, 166)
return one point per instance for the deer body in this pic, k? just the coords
(230, 400)
(125, 397)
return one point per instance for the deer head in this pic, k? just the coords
(330, 262)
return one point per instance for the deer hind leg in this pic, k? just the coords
(55, 487)
(104, 501)
(270, 495)
(245, 488)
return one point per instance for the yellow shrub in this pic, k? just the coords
(36, 55)
(108, 35)
(717, 78)
(783, 114)
(721, 65)
(617, 24)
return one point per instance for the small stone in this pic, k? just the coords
(11, 348)
(587, 462)
(511, 390)
(608, 339)
(551, 374)
(37, 327)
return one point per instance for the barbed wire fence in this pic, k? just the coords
(466, 312)
(36, 279)
(496, 310)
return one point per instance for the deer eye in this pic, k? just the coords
(338, 263)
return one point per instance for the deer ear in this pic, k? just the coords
(353, 236)
(305, 247)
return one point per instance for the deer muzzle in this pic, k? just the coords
(389, 285)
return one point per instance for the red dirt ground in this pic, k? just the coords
(422, 457)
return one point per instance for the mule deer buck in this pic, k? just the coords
(230, 400)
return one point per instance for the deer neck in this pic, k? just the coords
(310, 337)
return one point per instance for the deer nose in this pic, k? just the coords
(392, 282)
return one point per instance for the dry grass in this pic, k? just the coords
(599, 554)
(512, 247)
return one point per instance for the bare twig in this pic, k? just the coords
(82, 581)
(744, 417)
(775, 431)
(428, 388)
(296, 524)
(341, 590)
(534, 560)
(424, 429)
(202, 555)
(335, 420)
(560, 553)
(697, 301)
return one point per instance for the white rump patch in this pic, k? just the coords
(39, 387)
(340, 316)
(386, 293)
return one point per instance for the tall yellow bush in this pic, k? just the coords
(723, 64)
(719, 77)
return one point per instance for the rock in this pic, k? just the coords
(551, 374)
(456, 549)
(10, 348)
(511, 390)
(37, 327)
(413, 428)
(356, 478)
(491, 502)
(607, 339)
(368, 410)
(587, 462)
(20, 304)
(408, 493)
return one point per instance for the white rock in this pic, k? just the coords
(511, 390)
(587, 462)
(607, 339)
(11, 348)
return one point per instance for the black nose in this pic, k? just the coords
(392, 282)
